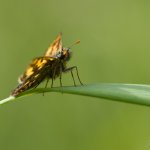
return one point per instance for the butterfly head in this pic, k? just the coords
(66, 54)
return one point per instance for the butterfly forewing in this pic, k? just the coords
(55, 48)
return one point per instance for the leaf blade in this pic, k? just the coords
(129, 93)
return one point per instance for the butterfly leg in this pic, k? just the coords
(53, 77)
(52, 82)
(60, 78)
(70, 69)
(37, 85)
(73, 77)
(38, 82)
(46, 84)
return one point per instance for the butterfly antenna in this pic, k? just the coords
(77, 42)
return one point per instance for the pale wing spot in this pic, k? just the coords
(51, 59)
(20, 80)
(44, 61)
(29, 71)
(35, 61)
(25, 83)
(36, 75)
(40, 63)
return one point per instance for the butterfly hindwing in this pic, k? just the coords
(36, 72)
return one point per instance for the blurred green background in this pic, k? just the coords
(114, 47)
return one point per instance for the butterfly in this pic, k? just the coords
(49, 66)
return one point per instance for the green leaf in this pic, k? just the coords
(129, 93)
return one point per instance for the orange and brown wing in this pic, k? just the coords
(36, 72)
(36, 66)
(55, 48)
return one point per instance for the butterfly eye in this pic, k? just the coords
(59, 54)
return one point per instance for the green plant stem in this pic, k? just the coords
(8, 99)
